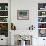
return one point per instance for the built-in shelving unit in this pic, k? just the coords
(4, 19)
(42, 19)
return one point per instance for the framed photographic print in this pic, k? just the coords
(22, 14)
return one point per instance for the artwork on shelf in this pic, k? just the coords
(3, 26)
(41, 6)
(3, 19)
(4, 29)
(41, 13)
(3, 13)
(42, 33)
(3, 6)
(22, 14)
(41, 19)
(41, 25)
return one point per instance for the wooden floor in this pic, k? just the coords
(3, 45)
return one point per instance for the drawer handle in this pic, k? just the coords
(1, 39)
(43, 39)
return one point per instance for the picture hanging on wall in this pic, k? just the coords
(22, 14)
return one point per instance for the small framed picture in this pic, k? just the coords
(22, 14)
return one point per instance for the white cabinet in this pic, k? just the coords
(3, 40)
(41, 41)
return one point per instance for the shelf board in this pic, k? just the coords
(3, 10)
(41, 10)
(3, 22)
(42, 16)
(41, 22)
(3, 16)
(41, 28)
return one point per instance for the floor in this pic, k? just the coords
(3, 45)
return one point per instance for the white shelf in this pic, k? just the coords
(3, 10)
(3, 16)
(41, 28)
(41, 10)
(41, 22)
(3, 22)
(42, 16)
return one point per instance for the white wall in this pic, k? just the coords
(24, 5)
